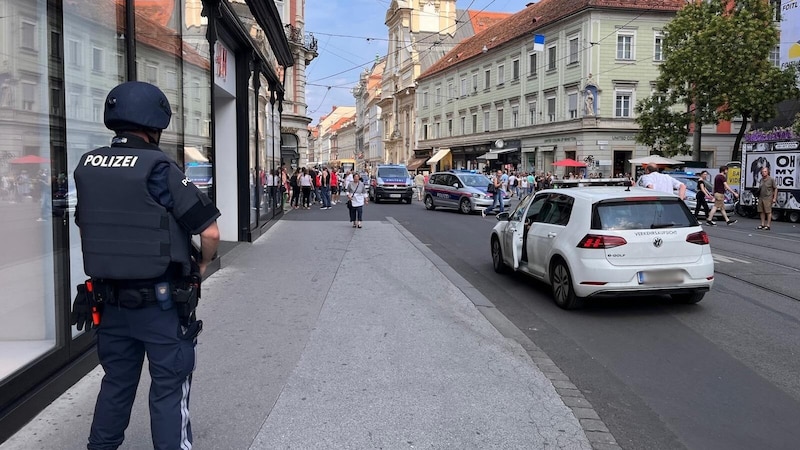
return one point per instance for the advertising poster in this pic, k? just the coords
(790, 32)
(782, 165)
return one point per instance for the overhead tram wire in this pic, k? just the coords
(429, 49)
(396, 41)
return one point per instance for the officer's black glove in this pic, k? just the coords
(81, 309)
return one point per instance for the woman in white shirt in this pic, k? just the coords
(305, 185)
(357, 195)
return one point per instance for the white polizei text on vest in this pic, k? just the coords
(110, 161)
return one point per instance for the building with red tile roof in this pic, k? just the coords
(495, 100)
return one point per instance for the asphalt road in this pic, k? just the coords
(721, 374)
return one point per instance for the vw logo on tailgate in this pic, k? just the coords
(657, 242)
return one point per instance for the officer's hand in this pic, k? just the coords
(81, 310)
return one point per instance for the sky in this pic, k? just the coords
(350, 33)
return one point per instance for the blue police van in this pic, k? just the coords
(391, 182)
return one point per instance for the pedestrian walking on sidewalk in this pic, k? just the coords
(767, 195)
(141, 301)
(357, 195)
(720, 187)
(294, 186)
(305, 181)
(325, 188)
(334, 187)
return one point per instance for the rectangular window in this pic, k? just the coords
(487, 79)
(151, 74)
(449, 127)
(55, 44)
(97, 111)
(28, 96)
(74, 53)
(74, 106)
(515, 117)
(775, 56)
(463, 125)
(572, 105)
(97, 59)
(551, 109)
(531, 113)
(486, 121)
(622, 103)
(171, 80)
(424, 131)
(625, 46)
(500, 118)
(55, 101)
(551, 57)
(475, 123)
(438, 96)
(436, 130)
(501, 74)
(515, 70)
(474, 82)
(658, 48)
(533, 60)
(28, 38)
(425, 99)
(464, 86)
(451, 92)
(573, 50)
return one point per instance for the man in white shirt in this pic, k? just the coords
(652, 179)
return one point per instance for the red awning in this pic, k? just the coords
(30, 159)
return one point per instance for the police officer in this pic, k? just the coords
(137, 212)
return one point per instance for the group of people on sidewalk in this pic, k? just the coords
(766, 193)
(307, 186)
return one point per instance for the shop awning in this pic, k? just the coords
(441, 153)
(493, 154)
(415, 164)
(193, 154)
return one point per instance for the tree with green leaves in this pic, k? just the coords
(716, 67)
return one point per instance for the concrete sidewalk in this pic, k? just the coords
(322, 336)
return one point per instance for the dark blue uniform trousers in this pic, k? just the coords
(123, 339)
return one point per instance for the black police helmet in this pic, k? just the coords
(135, 106)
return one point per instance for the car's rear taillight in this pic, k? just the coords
(601, 241)
(699, 238)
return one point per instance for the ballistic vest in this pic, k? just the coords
(125, 233)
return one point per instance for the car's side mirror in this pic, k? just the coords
(502, 216)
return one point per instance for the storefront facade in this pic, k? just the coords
(58, 60)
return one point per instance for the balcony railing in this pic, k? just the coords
(296, 36)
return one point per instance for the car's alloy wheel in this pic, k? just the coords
(563, 293)
(429, 203)
(465, 206)
(497, 256)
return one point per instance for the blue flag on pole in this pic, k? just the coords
(538, 42)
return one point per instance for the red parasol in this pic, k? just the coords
(30, 159)
(569, 163)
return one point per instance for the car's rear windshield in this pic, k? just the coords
(641, 215)
(476, 180)
(393, 172)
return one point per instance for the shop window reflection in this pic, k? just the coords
(28, 179)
